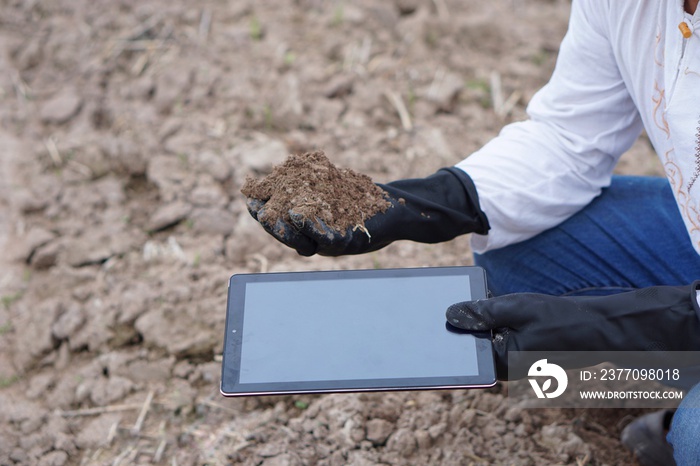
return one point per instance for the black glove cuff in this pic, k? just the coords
(472, 198)
(434, 209)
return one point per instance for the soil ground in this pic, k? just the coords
(126, 132)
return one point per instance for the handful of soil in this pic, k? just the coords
(312, 186)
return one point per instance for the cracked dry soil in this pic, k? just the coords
(127, 130)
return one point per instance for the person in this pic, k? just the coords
(576, 258)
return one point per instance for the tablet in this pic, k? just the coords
(352, 330)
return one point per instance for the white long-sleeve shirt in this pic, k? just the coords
(623, 65)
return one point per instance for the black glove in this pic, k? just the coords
(428, 210)
(660, 318)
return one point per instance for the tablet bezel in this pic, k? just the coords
(234, 323)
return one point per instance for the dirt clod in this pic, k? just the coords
(310, 185)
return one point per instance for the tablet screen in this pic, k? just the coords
(330, 331)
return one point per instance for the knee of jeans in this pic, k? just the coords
(685, 429)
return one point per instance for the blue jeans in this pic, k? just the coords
(685, 429)
(631, 236)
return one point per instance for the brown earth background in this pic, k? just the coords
(126, 131)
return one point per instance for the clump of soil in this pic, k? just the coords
(310, 185)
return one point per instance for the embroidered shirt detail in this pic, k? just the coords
(696, 172)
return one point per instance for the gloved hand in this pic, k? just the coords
(428, 210)
(660, 318)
